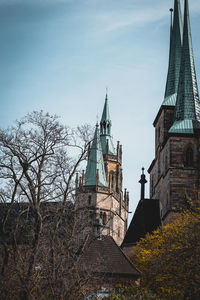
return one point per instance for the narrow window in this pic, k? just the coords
(111, 180)
(111, 223)
(89, 199)
(158, 168)
(118, 232)
(104, 219)
(159, 135)
(189, 157)
(152, 184)
(166, 165)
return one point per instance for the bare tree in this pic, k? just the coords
(39, 158)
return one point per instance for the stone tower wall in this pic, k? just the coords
(171, 178)
(109, 204)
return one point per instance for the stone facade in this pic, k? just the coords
(174, 173)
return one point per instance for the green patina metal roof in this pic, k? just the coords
(170, 100)
(106, 114)
(106, 125)
(95, 163)
(183, 126)
(174, 57)
(188, 104)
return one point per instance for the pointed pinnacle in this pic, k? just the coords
(188, 105)
(174, 55)
(187, 111)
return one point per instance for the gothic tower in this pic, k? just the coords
(99, 191)
(175, 170)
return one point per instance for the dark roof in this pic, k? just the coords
(104, 256)
(145, 220)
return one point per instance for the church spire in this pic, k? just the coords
(174, 56)
(106, 124)
(187, 111)
(95, 172)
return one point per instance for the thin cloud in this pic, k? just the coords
(112, 21)
(117, 20)
(27, 2)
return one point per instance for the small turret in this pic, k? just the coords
(76, 181)
(83, 177)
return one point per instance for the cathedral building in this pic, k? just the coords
(99, 190)
(175, 170)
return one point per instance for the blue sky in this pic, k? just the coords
(60, 55)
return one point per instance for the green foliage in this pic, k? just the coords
(169, 259)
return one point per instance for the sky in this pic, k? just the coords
(61, 55)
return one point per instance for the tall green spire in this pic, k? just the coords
(187, 111)
(174, 56)
(95, 172)
(106, 125)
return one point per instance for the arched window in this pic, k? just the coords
(189, 157)
(112, 185)
(159, 135)
(112, 179)
(158, 167)
(104, 219)
(152, 184)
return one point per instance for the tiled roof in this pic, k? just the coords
(104, 256)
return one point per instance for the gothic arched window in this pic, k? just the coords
(112, 179)
(104, 219)
(159, 135)
(166, 163)
(189, 157)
